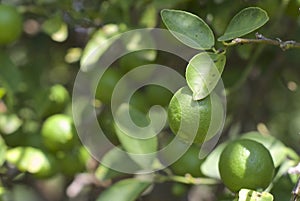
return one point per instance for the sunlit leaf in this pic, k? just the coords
(246, 21)
(203, 73)
(210, 167)
(189, 29)
(97, 45)
(125, 190)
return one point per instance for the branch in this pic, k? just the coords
(284, 45)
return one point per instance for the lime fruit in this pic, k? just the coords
(58, 132)
(53, 100)
(32, 160)
(188, 163)
(195, 121)
(246, 164)
(10, 24)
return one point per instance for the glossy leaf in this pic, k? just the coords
(189, 29)
(203, 73)
(246, 21)
(210, 167)
(125, 190)
(277, 148)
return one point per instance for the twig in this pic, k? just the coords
(261, 39)
(188, 179)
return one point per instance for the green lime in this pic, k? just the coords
(10, 24)
(188, 163)
(53, 100)
(195, 121)
(58, 132)
(246, 164)
(32, 160)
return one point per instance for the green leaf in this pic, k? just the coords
(114, 158)
(210, 167)
(277, 148)
(125, 190)
(203, 73)
(246, 21)
(102, 38)
(250, 195)
(189, 29)
(3, 148)
(141, 146)
(10, 76)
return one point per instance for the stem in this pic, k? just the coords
(188, 179)
(284, 45)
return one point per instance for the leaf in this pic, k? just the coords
(277, 148)
(10, 75)
(246, 21)
(140, 145)
(188, 28)
(203, 73)
(97, 45)
(113, 159)
(210, 167)
(125, 190)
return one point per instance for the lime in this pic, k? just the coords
(58, 132)
(246, 164)
(10, 24)
(53, 100)
(195, 121)
(188, 163)
(32, 160)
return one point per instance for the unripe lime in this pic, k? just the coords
(195, 121)
(10, 24)
(58, 132)
(246, 164)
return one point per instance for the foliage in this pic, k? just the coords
(38, 68)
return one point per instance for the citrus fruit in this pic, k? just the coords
(10, 24)
(195, 121)
(106, 85)
(53, 100)
(188, 163)
(32, 160)
(247, 164)
(58, 132)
